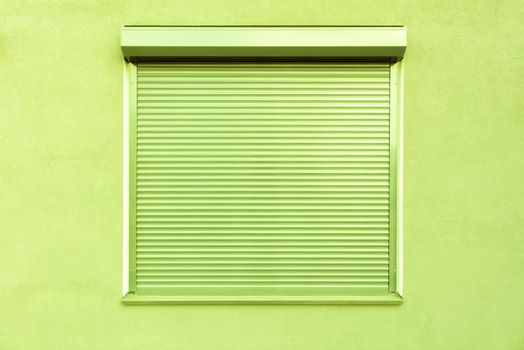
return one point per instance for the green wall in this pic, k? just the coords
(61, 182)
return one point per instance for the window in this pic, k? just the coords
(263, 165)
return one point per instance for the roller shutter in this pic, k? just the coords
(262, 178)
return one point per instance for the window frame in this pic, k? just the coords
(396, 174)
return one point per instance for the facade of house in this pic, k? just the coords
(62, 83)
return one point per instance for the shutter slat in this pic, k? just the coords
(268, 177)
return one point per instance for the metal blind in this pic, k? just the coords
(262, 178)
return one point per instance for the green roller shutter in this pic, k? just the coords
(261, 179)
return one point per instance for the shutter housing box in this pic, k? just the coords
(271, 182)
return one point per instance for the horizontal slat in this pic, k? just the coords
(158, 151)
(223, 194)
(285, 287)
(260, 142)
(234, 197)
(165, 128)
(267, 177)
(191, 267)
(289, 125)
(258, 222)
(308, 66)
(290, 167)
(254, 103)
(263, 182)
(290, 238)
(278, 208)
(271, 213)
(262, 147)
(311, 232)
(226, 133)
(268, 71)
(260, 117)
(296, 243)
(249, 226)
(348, 77)
(262, 279)
(263, 255)
(220, 251)
(207, 204)
(271, 189)
(245, 179)
(224, 170)
(267, 273)
(277, 246)
(261, 159)
(224, 106)
(263, 263)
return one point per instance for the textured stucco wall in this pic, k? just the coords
(61, 182)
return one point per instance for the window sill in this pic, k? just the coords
(386, 299)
